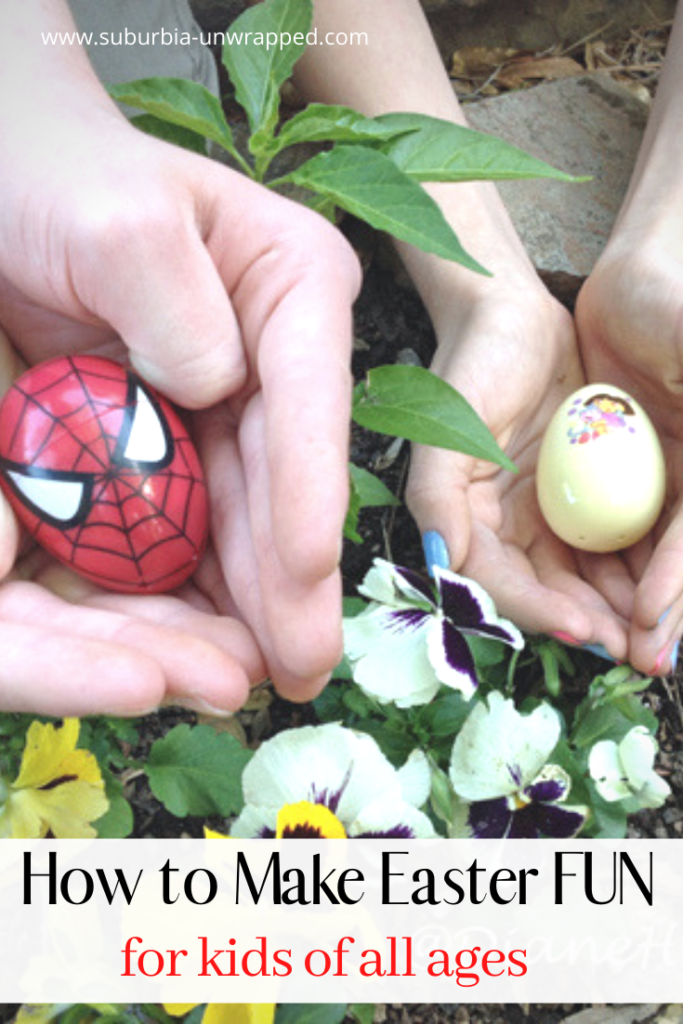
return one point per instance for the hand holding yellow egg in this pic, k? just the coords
(601, 477)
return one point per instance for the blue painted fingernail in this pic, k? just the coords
(435, 551)
(661, 618)
(674, 655)
(599, 650)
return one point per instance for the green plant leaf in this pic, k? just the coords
(256, 69)
(410, 402)
(172, 133)
(320, 122)
(367, 491)
(363, 1013)
(329, 705)
(117, 822)
(369, 185)
(435, 150)
(486, 652)
(609, 820)
(351, 518)
(370, 489)
(195, 770)
(181, 102)
(445, 716)
(310, 1013)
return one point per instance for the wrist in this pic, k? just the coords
(477, 215)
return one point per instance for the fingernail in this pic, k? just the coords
(599, 650)
(435, 551)
(202, 708)
(566, 638)
(661, 660)
(661, 657)
(662, 617)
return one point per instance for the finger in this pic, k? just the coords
(236, 547)
(655, 651)
(556, 567)
(9, 538)
(192, 669)
(440, 509)
(609, 576)
(534, 604)
(43, 672)
(156, 284)
(295, 311)
(10, 368)
(178, 615)
(304, 620)
(662, 581)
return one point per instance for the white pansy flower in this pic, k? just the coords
(499, 766)
(626, 770)
(326, 781)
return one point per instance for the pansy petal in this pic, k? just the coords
(46, 748)
(499, 751)
(66, 811)
(388, 651)
(524, 823)
(606, 770)
(415, 779)
(471, 609)
(386, 584)
(637, 753)
(414, 587)
(378, 625)
(239, 1013)
(254, 822)
(557, 822)
(397, 820)
(372, 777)
(489, 819)
(451, 657)
(305, 820)
(326, 764)
(654, 792)
(551, 785)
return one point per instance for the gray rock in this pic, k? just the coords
(586, 126)
(536, 24)
(614, 1014)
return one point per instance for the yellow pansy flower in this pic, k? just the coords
(58, 790)
(227, 1013)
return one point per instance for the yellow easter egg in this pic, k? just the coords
(601, 477)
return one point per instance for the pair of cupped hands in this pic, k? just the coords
(236, 303)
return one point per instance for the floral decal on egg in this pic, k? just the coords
(598, 416)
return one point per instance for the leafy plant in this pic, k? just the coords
(372, 168)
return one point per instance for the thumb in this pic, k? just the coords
(437, 496)
(10, 368)
(167, 302)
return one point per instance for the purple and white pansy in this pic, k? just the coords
(499, 768)
(411, 638)
(326, 781)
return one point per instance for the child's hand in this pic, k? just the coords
(513, 355)
(629, 317)
(221, 294)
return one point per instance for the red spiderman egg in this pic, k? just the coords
(101, 471)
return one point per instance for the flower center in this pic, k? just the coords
(305, 820)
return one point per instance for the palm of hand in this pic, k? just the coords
(515, 370)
